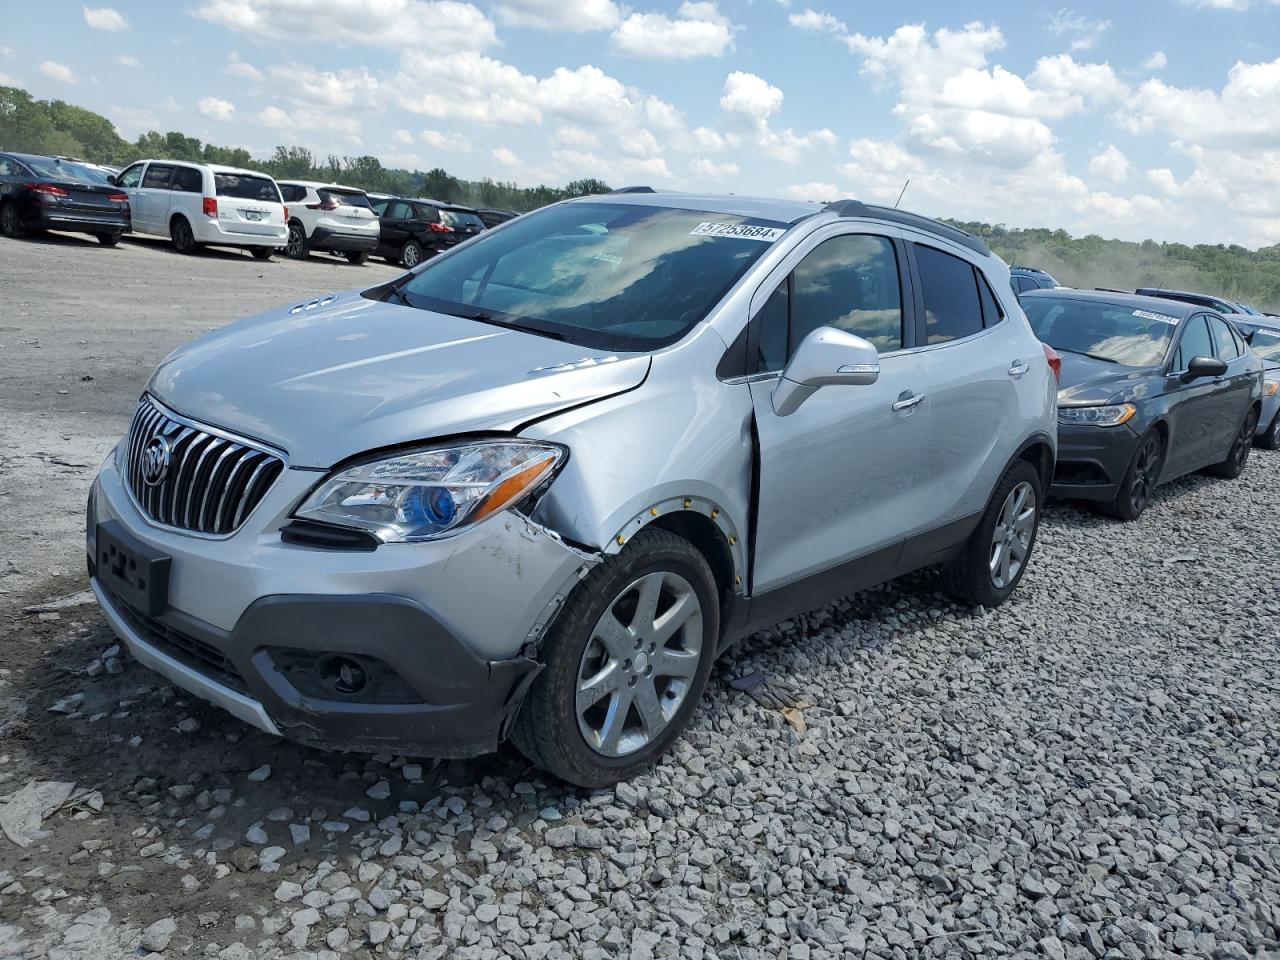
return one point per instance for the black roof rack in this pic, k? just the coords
(856, 208)
(634, 190)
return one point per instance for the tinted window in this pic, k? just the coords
(1104, 331)
(1195, 343)
(773, 321)
(188, 180)
(951, 307)
(348, 198)
(1266, 344)
(609, 275)
(292, 193)
(8, 168)
(1022, 284)
(130, 177)
(425, 211)
(850, 283)
(461, 218)
(157, 176)
(400, 211)
(240, 186)
(992, 312)
(1224, 343)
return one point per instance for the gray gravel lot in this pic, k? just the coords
(1091, 771)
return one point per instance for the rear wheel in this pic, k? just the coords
(184, 241)
(1139, 485)
(998, 551)
(108, 239)
(1270, 440)
(262, 253)
(1238, 455)
(626, 663)
(411, 253)
(297, 248)
(10, 224)
(358, 258)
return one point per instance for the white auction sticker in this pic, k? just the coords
(742, 231)
(1147, 315)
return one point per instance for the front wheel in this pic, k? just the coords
(1139, 484)
(1238, 455)
(108, 239)
(996, 555)
(357, 258)
(10, 223)
(1270, 440)
(626, 663)
(184, 241)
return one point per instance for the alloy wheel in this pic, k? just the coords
(1146, 470)
(294, 247)
(1011, 539)
(1240, 453)
(639, 664)
(410, 255)
(1274, 439)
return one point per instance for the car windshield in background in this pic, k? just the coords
(608, 275)
(350, 198)
(1126, 335)
(241, 187)
(67, 170)
(461, 218)
(1266, 343)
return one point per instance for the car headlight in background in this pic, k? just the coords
(1108, 415)
(428, 494)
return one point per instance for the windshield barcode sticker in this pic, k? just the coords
(1147, 315)
(741, 231)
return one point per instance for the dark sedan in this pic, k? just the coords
(52, 193)
(1150, 390)
(414, 229)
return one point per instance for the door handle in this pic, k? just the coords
(1018, 369)
(907, 402)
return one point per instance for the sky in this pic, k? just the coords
(1133, 119)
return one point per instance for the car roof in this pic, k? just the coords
(1170, 308)
(41, 156)
(201, 165)
(320, 185)
(1254, 320)
(1187, 293)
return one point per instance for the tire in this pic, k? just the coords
(411, 254)
(1138, 488)
(970, 576)
(10, 223)
(357, 258)
(552, 732)
(184, 241)
(262, 253)
(108, 239)
(297, 247)
(1270, 440)
(1238, 456)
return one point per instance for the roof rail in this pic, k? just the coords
(856, 208)
(640, 189)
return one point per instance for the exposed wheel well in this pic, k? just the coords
(1040, 455)
(176, 217)
(700, 531)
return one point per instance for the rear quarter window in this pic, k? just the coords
(951, 305)
(238, 186)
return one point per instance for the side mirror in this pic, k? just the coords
(1204, 367)
(826, 357)
(113, 179)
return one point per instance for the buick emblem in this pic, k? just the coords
(155, 460)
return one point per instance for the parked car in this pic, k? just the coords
(1151, 390)
(493, 217)
(327, 216)
(203, 204)
(528, 490)
(414, 229)
(1023, 279)
(1263, 336)
(1219, 304)
(48, 193)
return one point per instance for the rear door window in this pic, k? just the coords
(399, 211)
(188, 180)
(157, 177)
(952, 308)
(239, 186)
(292, 193)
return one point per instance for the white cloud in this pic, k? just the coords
(818, 21)
(58, 71)
(309, 120)
(699, 29)
(402, 137)
(578, 17)
(455, 142)
(216, 108)
(127, 60)
(750, 95)
(7, 81)
(1111, 164)
(579, 163)
(814, 190)
(239, 68)
(1157, 61)
(342, 88)
(642, 143)
(577, 138)
(1083, 31)
(105, 18)
(440, 25)
(711, 170)
(506, 156)
(1243, 111)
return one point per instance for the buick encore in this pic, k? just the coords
(534, 487)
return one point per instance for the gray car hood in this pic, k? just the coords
(327, 380)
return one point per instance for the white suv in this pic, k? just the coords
(200, 203)
(326, 216)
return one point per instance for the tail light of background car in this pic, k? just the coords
(46, 189)
(1055, 362)
(118, 197)
(441, 228)
(286, 214)
(328, 203)
(210, 207)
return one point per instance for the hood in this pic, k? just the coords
(1085, 380)
(341, 375)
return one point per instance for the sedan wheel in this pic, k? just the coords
(1238, 456)
(1011, 540)
(10, 225)
(1138, 487)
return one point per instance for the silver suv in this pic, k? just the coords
(534, 487)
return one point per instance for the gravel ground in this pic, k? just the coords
(1090, 771)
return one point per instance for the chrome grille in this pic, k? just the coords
(213, 480)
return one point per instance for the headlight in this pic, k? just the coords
(433, 493)
(1269, 388)
(1111, 415)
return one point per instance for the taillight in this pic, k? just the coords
(118, 197)
(328, 203)
(441, 228)
(210, 207)
(1055, 362)
(286, 214)
(48, 189)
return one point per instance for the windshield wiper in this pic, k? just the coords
(1085, 353)
(480, 316)
(398, 294)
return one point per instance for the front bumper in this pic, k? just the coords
(1092, 461)
(444, 633)
(325, 238)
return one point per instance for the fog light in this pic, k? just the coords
(343, 674)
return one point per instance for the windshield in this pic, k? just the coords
(1266, 343)
(67, 170)
(610, 275)
(461, 218)
(241, 186)
(1105, 331)
(348, 198)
